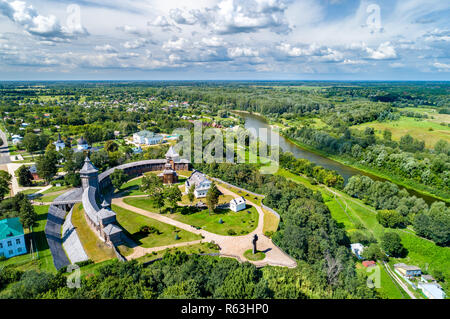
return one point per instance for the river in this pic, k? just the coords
(253, 121)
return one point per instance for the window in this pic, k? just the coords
(10, 252)
(19, 250)
(18, 241)
(9, 243)
(1, 245)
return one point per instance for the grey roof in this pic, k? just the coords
(196, 178)
(105, 204)
(112, 229)
(108, 172)
(89, 204)
(88, 167)
(148, 134)
(59, 139)
(406, 267)
(105, 213)
(238, 200)
(171, 153)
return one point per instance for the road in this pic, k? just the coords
(4, 151)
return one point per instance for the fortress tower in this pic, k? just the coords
(89, 174)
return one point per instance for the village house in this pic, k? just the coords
(357, 249)
(147, 138)
(200, 182)
(237, 204)
(407, 270)
(12, 239)
(59, 144)
(82, 145)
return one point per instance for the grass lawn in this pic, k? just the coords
(96, 249)
(271, 222)
(422, 129)
(30, 191)
(56, 189)
(203, 248)
(48, 198)
(45, 259)
(131, 188)
(132, 223)
(258, 256)
(251, 198)
(238, 223)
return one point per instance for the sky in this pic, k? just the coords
(225, 40)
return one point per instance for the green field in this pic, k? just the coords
(132, 222)
(242, 222)
(422, 129)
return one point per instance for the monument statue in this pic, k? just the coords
(255, 239)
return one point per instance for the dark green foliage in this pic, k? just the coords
(389, 218)
(118, 178)
(391, 244)
(24, 176)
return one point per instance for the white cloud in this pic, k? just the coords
(135, 44)
(385, 51)
(242, 52)
(105, 48)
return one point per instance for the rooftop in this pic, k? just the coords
(10, 227)
(88, 167)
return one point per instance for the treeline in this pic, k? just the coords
(175, 276)
(303, 166)
(306, 231)
(18, 206)
(406, 159)
(399, 209)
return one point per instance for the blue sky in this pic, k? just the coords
(225, 39)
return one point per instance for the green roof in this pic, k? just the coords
(10, 227)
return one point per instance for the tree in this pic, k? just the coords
(27, 214)
(118, 178)
(153, 186)
(111, 146)
(24, 176)
(31, 142)
(212, 198)
(391, 244)
(5, 181)
(191, 195)
(73, 179)
(173, 196)
(46, 165)
(389, 218)
(373, 252)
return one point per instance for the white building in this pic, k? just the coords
(202, 184)
(59, 144)
(432, 290)
(16, 139)
(147, 137)
(357, 249)
(237, 204)
(12, 240)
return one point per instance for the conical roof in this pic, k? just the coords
(88, 167)
(171, 153)
(59, 139)
(81, 141)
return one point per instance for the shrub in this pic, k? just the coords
(231, 232)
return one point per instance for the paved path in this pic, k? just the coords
(4, 151)
(230, 246)
(398, 280)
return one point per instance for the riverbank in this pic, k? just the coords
(341, 165)
(412, 187)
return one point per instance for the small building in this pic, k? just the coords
(432, 290)
(357, 249)
(137, 150)
(12, 238)
(407, 270)
(369, 263)
(200, 182)
(169, 175)
(16, 139)
(82, 144)
(59, 144)
(34, 172)
(147, 138)
(237, 204)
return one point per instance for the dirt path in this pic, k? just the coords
(230, 246)
(398, 280)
